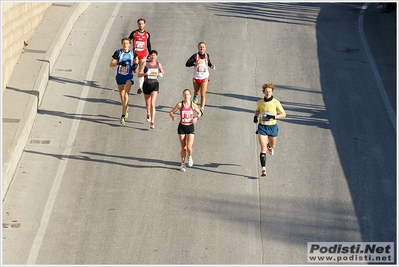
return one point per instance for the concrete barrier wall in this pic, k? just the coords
(19, 21)
(51, 41)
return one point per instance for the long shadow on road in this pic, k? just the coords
(356, 117)
(364, 140)
(141, 162)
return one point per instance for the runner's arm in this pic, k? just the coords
(171, 113)
(114, 60)
(209, 63)
(190, 62)
(135, 62)
(199, 113)
(142, 70)
(148, 43)
(257, 111)
(161, 69)
(281, 111)
(256, 115)
(131, 35)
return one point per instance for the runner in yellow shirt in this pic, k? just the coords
(267, 110)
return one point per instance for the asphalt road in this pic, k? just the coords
(90, 191)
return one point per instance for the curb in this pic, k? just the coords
(55, 48)
(21, 136)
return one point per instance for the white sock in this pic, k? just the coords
(141, 81)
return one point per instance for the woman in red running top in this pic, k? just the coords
(201, 62)
(185, 129)
(141, 45)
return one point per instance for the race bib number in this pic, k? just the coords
(187, 116)
(153, 74)
(139, 46)
(201, 66)
(123, 70)
(265, 119)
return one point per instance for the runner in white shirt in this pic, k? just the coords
(201, 63)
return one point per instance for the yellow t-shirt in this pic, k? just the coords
(272, 107)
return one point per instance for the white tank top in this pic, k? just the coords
(201, 70)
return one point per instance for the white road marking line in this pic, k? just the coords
(37, 243)
(380, 85)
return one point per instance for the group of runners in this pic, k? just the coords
(141, 59)
(201, 63)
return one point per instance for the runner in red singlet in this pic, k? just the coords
(141, 45)
(185, 129)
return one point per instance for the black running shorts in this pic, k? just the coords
(148, 88)
(185, 129)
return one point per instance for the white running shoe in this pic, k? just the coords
(190, 161)
(148, 117)
(183, 167)
(263, 171)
